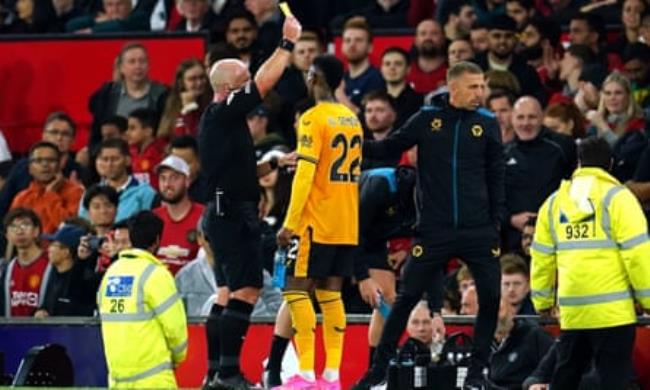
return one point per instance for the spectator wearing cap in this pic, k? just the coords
(258, 125)
(501, 56)
(619, 120)
(570, 68)
(52, 196)
(178, 244)
(361, 76)
(187, 148)
(428, 69)
(590, 82)
(636, 66)
(67, 292)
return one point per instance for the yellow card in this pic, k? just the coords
(284, 7)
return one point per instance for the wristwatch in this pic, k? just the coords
(286, 45)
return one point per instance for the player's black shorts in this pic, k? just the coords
(235, 240)
(308, 259)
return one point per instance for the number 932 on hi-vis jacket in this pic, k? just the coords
(593, 235)
(144, 327)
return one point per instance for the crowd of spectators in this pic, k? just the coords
(557, 71)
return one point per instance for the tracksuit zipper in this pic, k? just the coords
(454, 173)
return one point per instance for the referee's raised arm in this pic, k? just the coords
(271, 70)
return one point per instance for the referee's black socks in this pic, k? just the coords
(212, 335)
(233, 326)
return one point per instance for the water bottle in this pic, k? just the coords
(383, 307)
(279, 268)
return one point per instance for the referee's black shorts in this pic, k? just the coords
(235, 240)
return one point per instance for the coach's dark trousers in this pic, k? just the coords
(424, 272)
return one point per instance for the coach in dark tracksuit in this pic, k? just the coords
(460, 206)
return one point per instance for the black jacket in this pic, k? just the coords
(534, 169)
(71, 293)
(460, 165)
(519, 355)
(527, 76)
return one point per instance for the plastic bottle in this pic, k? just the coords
(279, 268)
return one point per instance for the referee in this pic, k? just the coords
(231, 222)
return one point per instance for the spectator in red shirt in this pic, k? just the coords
(187, 99)
(178, 245)
(21, 285)
(146, 150)
(428, 71)
(53, 197)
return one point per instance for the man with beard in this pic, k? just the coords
(539, 38)
(428, 71)
(379, 116)
(361, 76)
(501, 56)
(241, 35)
(178, 245)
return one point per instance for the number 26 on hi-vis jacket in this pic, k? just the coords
(144, 327)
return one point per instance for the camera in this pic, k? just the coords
(95, 242)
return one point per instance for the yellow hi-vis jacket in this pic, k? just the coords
(592, 234)
(144, 326)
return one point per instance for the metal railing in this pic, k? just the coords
(351, 319)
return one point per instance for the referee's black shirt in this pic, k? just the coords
(226, 146)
